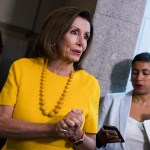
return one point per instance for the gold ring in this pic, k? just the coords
(62, 132)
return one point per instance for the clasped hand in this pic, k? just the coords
(107, 136)
(70, 125)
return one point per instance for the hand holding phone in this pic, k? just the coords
(113, 130)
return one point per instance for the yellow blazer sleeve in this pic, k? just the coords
(9, 92)
(91, 120)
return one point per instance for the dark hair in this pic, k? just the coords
(56, 25)
(145, 57)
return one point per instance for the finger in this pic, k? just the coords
(111, 132)
(72, 121)
(77, 116)
(73, 114)
(77, 111)
(114, 141)
(77, 121)
(63, 124)
(113, 137)
(69, 122)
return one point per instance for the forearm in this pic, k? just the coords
(88, 143)
(20, 129)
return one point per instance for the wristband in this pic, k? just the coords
(80, 141)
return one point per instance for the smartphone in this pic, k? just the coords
(115, 129)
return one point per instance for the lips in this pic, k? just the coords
(77, 52)
(139, 86)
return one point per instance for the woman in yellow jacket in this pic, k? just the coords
(37, 100)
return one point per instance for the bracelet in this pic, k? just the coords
(80, 141)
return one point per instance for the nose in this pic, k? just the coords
(81, 41)
(139, 76)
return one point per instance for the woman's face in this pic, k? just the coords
(140, 77)
(74, 42)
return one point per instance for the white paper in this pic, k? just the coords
(147, 128)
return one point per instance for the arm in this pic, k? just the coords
(88, 143)
(20, 129)
(16, 128)
(104, 110)
(107, 115)
(104, 107)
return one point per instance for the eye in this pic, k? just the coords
(134, 72)
(86, 36)
(75, 32)
(146, 73)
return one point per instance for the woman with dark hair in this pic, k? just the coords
(52, 32)
(129, 112)
(48, 101)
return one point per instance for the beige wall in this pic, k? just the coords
(116, 28)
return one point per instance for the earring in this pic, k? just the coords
(52, 45)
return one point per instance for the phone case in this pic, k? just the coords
(114, 128)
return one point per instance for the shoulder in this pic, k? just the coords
(87, 77)
(119, 96)
(87, 82)
(26, 65)
(113, 97)
(27, 62)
